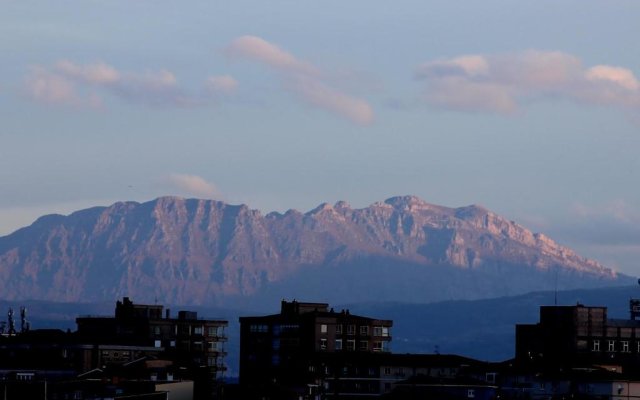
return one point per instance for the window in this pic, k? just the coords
(259, 328)
(387, 371)
(364, 345)
(338, 329)
(364, 330)
(156, 330)
(596, 345)
(275, 344)
(197, 330)
(338, 344)
(351, 345)
(214, 331)
(323, 344)
(377, 331)
(611, 345)
(625, 346)
(351, 329)
(156, 343)
(213, 346)
(490, 377)
(275, 360)
(385, 331)
(323, 328)
(400, 371)
(377, 346)
(471, 393)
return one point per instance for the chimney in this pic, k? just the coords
(167, 313)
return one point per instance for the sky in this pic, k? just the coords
(529, 108)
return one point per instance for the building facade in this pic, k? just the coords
(579, 335)
(305, 347)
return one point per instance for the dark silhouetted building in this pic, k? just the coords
(304, 348)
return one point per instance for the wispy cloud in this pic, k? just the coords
(69, 83)
(193, 185)
(503, 83)
(303, 79)
(221, 84)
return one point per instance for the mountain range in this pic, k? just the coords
(191, 251)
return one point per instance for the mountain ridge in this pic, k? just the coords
(206, 251)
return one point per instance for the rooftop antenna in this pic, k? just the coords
(12, 324)
(24, 325)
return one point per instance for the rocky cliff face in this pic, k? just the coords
(202, 251)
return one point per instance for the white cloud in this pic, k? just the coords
(47, 87)
(98, 73)
(258, 49)
(224, 84)
(193, 185)
(302, 78)
(502, 83)
(317, 93)
(617, 75)
(70, 83)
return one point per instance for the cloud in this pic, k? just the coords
(503, 83)
(69, 83)
(614, 224)
(608, 232)
(193, 185)
(224, 84)
(303, 79)
(258, 49)
(620, 76)
(48, 87)
(98, 73)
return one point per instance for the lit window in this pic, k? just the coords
(338, 344)
(323, 344)
(612, 345)
(625, 346)
(323, 328)
(596, 345)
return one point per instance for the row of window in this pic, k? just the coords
(351, 330)
(363, 345)
(622, 346)
(215, 331)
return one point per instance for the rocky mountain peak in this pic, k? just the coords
(197, 251)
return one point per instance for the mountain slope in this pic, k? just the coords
(209, 252)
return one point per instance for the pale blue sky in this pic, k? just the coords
(529, 108)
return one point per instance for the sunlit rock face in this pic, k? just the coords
(209, 252)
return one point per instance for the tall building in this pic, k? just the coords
(579, 335)
(194, 344)
(301, 350)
